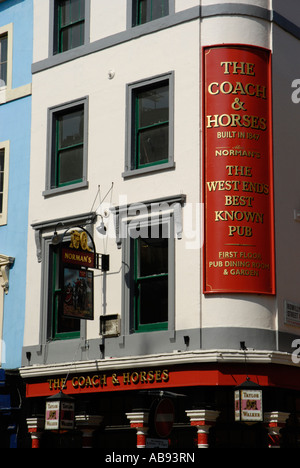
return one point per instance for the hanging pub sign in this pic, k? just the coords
(59, 412)
(78, 251)
(77, 281)
(238, 170)
(248, 406)
(78, 296)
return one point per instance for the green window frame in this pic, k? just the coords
(69, 24)
(62, 328)
(149, 10)
(68, 147)
(151, 125)
(151, 283)
(155, 219)
(3, 59)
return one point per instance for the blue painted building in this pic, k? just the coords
(16, 40)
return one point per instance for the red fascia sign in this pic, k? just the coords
(177, 377)
(238, 170)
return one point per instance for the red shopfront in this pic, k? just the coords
(115, 409)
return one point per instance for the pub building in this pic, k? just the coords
(163, 306)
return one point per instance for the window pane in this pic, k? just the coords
(148, 10)
(70, 129)
(70, 24)
(3, 74)
(1, 179)
(160, 8)
(70, 165)
(153, 106)
(77, 35)
(66, 39)
(72, 37)
(142, 13)
(3, 48)
(153, 295)
(77, 10)
(153, 145)
(151, 279)
(65, 9)
(153, 254)
(1, 160)
(152, 125)
(3, 60)
(68, 146)
(64, 324)
(67, 325)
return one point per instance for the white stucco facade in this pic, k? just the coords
(101, 70)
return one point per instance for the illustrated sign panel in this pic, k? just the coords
(77, 281)
(78, 287)
(249, 407)
(238, 170)
(59, 415)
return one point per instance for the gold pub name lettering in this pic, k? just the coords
(101, 380)
(237, 89)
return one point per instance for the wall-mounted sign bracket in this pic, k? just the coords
(102, 262)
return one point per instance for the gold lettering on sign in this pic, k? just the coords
(57, 384)
(79, 240)
(103, 380)
(77, 257)
(238, 183)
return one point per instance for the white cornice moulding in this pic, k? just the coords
(176, 358)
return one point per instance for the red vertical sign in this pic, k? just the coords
(238, 170)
